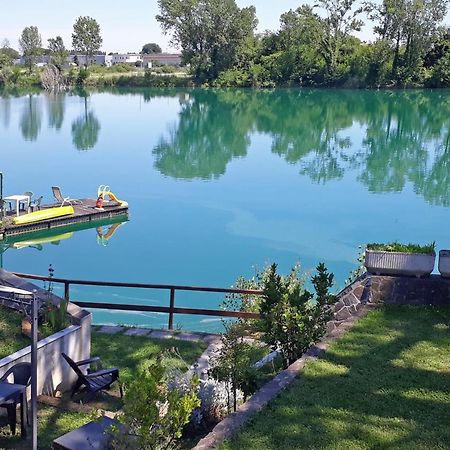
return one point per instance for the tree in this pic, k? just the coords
(86, 37)
(209, 32)
(413, 24)
(339, 22)
(300, 58)
(148, 49)
(7, 54)
(30, 42)
(58, 52)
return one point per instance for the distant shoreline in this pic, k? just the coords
(175, 78)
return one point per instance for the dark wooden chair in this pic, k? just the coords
(92, 382)
(21, 374)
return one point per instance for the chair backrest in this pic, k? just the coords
(72, 364)
(57, 194)
(29, 194)
(21, 373)
(38, 201)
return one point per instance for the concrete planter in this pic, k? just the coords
(444, 263)
(399, 263)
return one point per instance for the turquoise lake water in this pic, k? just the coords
(221, 183)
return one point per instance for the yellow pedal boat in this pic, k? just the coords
(45, 214)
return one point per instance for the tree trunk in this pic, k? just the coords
(396, 56)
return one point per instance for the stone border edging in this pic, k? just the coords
(227, 427)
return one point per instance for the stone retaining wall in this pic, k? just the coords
(392, 290)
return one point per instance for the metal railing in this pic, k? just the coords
(171, 310)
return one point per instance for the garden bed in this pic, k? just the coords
(383, 384)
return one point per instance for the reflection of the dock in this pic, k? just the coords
(105, 231)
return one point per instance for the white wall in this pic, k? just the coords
(54, 374)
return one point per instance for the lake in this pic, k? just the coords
(222, 182)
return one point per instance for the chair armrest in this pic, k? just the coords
(102, 372)
(6, 375)
(88, 361)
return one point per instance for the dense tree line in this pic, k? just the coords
(315, 45)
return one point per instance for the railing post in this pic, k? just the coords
(172, 305)
(66, 291)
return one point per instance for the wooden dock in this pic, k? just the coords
(83, 212)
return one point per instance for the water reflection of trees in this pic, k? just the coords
(86, 128)
(212, 130)
(5, 110)
(30, 120)
(56, 105)
(403, 136)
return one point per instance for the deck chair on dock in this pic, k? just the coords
(92, 381)
(62, 200)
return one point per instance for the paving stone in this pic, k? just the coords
(137, 332)
(191, 337)
(110, 329)
(209, 338)
(161, 334)
(203, 363)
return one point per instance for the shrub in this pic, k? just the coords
(154, 413)
(234, 366)
(83, 75)
(440, 73)
(428, 249)
(232, 78)
(292, 318)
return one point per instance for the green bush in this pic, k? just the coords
(154, 414)
(82, 76)
(428, 249)
(440, 73)
(292, 318)
(122, 68)
(232, 78)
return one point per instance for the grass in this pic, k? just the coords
(384, 384)
(52, 423)
(428, 249)
(11, 339)
(128, 353)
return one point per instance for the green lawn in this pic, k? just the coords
(11, 339)
(125, 352)
(130, 353)
(384, 385)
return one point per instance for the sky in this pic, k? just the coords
(125, 26)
